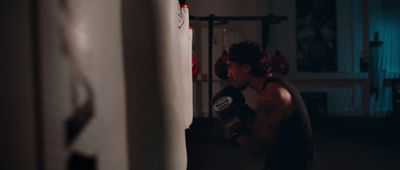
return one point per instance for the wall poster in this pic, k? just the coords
(316, 35)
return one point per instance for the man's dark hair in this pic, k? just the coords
(247, 52)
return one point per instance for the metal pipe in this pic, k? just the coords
(238, 18)
(264, 34)
(210, 61)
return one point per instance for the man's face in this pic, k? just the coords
(239, 74)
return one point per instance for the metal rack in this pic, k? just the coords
(266, 22)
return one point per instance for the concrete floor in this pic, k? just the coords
(358, 143)
(342, 144)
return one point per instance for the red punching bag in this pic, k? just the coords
(279, 63)
(195, 66)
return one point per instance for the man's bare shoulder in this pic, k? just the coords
(275, 97)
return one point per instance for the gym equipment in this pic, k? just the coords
(195, 66)
(229, 105)
(220, 66)
(279, 63)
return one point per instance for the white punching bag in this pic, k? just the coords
(185, 40)
(84, 111)
(158, 81)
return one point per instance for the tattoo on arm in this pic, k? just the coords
(272, 110)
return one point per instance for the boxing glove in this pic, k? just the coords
(246, 114)
(230, 108)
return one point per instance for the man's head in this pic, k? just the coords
(244, 62)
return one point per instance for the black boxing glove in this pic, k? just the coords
(241, 124)
(246, 114)
(226, 102)
(229, 105)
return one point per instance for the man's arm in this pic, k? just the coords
(274, 105)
